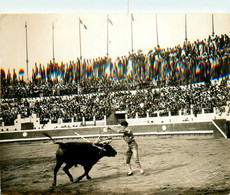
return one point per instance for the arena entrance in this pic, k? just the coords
(116, 117)
(27, 126)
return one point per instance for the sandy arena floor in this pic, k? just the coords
(173, 165)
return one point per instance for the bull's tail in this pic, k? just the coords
(59, 143)
(47, 135)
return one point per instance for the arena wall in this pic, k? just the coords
(95, 131)
(160, 125)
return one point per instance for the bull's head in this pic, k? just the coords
(109, 151)
(106, 149)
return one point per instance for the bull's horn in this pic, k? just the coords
(106, 142)
(101, 148)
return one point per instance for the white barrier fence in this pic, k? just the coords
(156, 120)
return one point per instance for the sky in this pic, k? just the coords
(40, 15)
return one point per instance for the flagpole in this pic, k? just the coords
(107, 35)
(80, 37)
(53, 43)
(132, 32)
(213, 33)
(186, 28)
(27, 60)
(157, 31)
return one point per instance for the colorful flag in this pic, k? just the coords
(2, 74)
(9, 79)
(110, 21)
(83, 24)
(21, 72)
(130, 68)
(132, 17)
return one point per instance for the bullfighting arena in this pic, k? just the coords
(173, 165)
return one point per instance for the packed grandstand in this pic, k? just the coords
(193, 76)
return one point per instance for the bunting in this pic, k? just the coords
(135, 68)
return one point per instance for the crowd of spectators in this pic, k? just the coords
(161, 80)
(141, 101)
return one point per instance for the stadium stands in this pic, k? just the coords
(172, 81)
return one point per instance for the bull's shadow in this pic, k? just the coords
(104, 178)
(94, 179)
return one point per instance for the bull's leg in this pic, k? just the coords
(86, 173)
(80, 178)
(66, 170)
(57, 167)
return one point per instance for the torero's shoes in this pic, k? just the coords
(129, 174)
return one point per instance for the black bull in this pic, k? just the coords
(82, 153)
